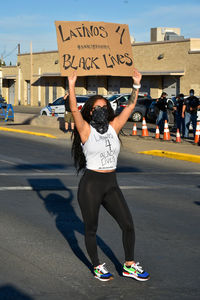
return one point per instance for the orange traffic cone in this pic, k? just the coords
(197, 133)
(144, 128)
(157, 136)
(178, 136)
(134, 132)
(166, 136)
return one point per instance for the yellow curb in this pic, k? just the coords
(29, 132)
(173, 155)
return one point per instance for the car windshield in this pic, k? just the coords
(59, 101)
(123, 99)
(112, 97)
(81, 99)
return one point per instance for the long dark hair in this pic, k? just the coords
(77, 151)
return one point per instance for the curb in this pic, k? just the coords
(161, 153)
(29, 132)
(173, 155)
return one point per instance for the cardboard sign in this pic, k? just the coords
(94, 48)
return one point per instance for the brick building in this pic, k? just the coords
(167, 65)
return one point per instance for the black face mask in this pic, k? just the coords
(100, 119)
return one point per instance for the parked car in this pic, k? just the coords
(58, 106)
(113, 99)
(120, 101)
(3, 102)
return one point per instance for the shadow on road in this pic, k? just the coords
(66, 220)
(37, 167)
(197, 202)
(48, 166)
(25, 122)
(12, 293)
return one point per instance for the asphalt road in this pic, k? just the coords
(42, 253)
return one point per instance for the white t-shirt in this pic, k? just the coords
(101, 150)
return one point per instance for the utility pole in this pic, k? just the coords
(1, 81)
(19, 75)
(31, 75)
(1, 60)
(1, 75)
(18, 47)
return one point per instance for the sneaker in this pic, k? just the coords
(135, 271)
(101, 273)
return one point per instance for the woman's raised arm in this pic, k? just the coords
(123, 117)
(81, 125)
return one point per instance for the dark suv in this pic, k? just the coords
(141, 108)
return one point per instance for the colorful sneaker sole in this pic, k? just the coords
(135, 276)
(104, 279)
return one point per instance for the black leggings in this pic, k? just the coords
(97, 188)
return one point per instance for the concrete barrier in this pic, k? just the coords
(38, 120)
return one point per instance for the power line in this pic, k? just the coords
(11, 52)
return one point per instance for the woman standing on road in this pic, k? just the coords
(95, 148)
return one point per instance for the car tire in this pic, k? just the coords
(136, 116)
(44, 113)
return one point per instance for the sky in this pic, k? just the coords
(23, 22)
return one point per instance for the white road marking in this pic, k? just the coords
(8, 162)
(122, 187)
(16, 164)
(74, 173)
(36, 174)
(30, 188)
(16, 188)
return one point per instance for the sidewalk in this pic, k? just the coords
(149, 145)
(34, 130)
(134, 144)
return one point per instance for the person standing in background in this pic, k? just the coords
(178, 108)
(69, 120)
(161, 104)
(190, 107)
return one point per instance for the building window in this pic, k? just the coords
(171, 85)
(28, 91)
(46, 93)
(113, 85)
(92, 87)
(54, 91)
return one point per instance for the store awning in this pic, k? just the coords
(47, 75)
(163, 73)
(145, 73)
(9, 76)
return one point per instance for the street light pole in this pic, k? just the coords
(31, 73)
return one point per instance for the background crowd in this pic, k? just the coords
(185, 112)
